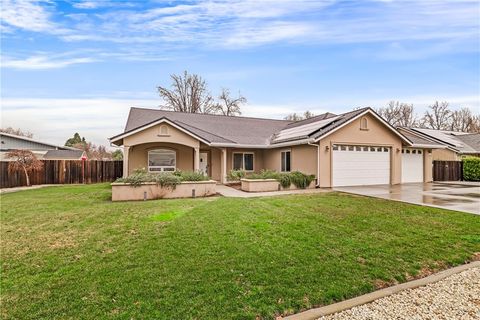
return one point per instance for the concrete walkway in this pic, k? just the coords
(227, 191)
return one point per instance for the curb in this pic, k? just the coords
(369, 297)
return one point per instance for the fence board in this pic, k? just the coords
(63, 172)
(447, 170)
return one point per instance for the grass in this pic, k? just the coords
(69, 252)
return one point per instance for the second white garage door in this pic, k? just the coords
(360, 165)
(412, 165)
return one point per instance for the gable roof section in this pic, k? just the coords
(348, 117)
(420, 140)
(458, 141)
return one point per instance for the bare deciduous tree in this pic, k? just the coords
(463, 120)
(23, 160)
(188, 93)
(17, 132)
(229, 106)
(297, 117)
(438, 117)
(398, 114)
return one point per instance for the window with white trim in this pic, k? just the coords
(160, 160)
(285, 161)
(243, 161)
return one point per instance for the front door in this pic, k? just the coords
(204, 162)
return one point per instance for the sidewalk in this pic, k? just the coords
(235, 193)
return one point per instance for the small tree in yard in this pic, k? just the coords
(23, 160)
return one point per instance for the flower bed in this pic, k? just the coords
(142, 185)
(151, 190)
(274, 181)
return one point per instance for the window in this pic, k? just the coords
(285, 157)
(243, 161)
(364, 123)
(162, 160)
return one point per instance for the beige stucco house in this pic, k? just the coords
(354, 148)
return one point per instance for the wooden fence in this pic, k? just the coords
(63, 172)
(447, 170)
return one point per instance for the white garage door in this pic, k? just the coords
(360, 165)
(412, 165)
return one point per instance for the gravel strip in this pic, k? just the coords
(455, 297)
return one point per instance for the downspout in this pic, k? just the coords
(317, 185)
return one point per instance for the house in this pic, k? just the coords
(9, 142)
(454, 145)
(353, 148)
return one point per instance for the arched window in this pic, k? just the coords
(163, 130)
(162, 160)
(364, 123)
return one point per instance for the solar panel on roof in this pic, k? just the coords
(304, 130)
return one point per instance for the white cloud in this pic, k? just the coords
(42, 62)
(30, 15)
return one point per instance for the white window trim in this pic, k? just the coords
(243, 161)
(162, 168)
(282, 151)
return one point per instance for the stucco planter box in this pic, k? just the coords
(150, 190)
(264, 185)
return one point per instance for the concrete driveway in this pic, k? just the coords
(460, 197)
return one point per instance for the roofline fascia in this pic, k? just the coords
(154, 123)
(428, 146)
(261, 146)
(369, 110)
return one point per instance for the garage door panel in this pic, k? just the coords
(361, 166)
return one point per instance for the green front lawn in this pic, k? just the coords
(69, 253)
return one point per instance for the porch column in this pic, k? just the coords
(125, 161)
(223, 165)
(196, 159)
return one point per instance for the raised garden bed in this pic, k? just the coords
(264, 185)
(151, 190)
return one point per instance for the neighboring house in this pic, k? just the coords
(454, 145)
(9, 142)
(354, 148)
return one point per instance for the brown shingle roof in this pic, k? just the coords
(240, 130)
(63, 155)
(213, 128)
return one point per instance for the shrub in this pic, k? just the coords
(264, 174)
(297, 178)
(471, 168)
(163, 179)
(191, 175)
(236, 175)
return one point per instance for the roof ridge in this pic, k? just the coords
(216, 115)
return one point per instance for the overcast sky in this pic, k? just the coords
(78, 66)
